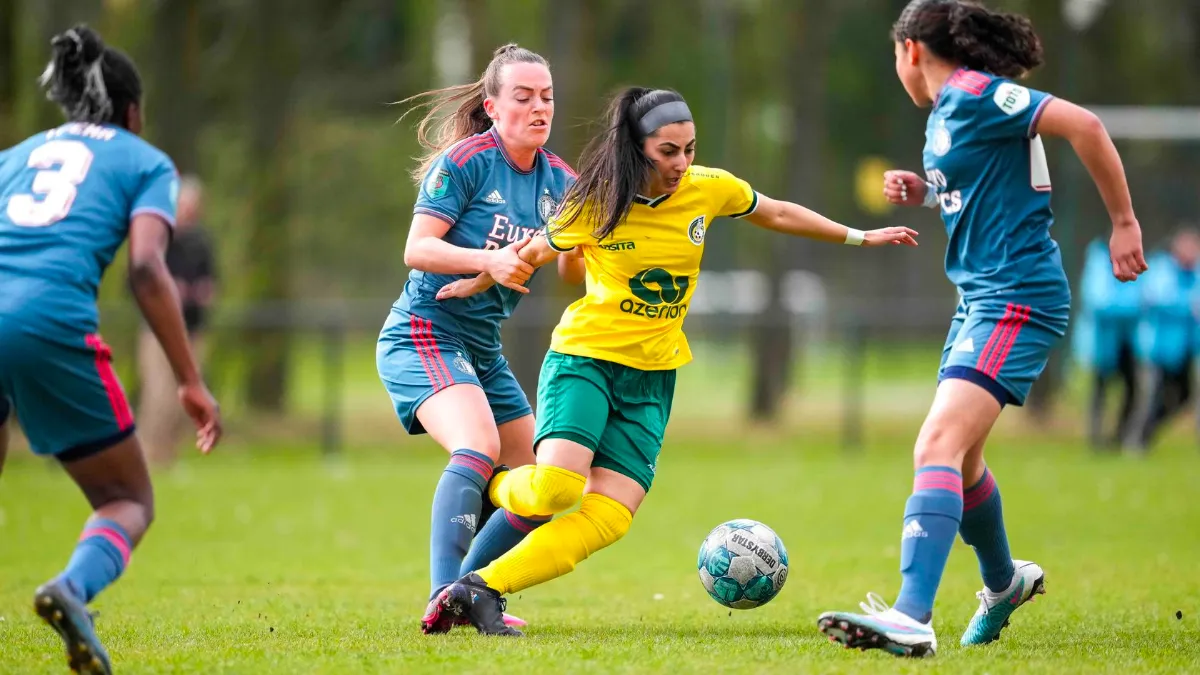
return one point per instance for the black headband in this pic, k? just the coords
(663, 114)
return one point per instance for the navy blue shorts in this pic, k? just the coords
(1002, 347)
(67, 397)
(416, 361)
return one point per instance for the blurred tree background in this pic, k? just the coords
(283, 107)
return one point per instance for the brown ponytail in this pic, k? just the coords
(971, 35)
(436, 131)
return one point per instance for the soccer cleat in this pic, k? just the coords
(880, 627)
(437, 619)
(470, 597)
(995, 608)
(509, 620)
(68, 616)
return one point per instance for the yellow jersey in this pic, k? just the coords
(640, 280)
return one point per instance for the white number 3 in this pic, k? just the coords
(58, 186)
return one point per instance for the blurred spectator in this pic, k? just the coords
(1166, 338)
(1103, 342)
(161, 420)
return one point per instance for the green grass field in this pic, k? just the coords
(274, 561)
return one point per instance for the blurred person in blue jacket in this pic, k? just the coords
(1103, 341)
(1166, 337)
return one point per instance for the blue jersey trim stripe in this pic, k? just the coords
(435, 213)
(752, 209)
(1037, 115)
(154, 212)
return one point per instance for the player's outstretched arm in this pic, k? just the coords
(426, 250)
(532, 251)
(793, 219)
(155, 292)
(1091, 142)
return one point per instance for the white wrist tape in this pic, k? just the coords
(931, 196)
(854, 237)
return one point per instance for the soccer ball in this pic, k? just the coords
(742, 564)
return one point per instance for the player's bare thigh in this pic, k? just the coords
(516, 442)
(958, 422)
(460, 417)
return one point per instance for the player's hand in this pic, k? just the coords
(507, 268)
(465, 288)
(200, 405)
(904, 188)
(1125, 249)
(896, 236)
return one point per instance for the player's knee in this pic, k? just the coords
(555, 489)
(610, 518)
(939, 444)
(482, 440)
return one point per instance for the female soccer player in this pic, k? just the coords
(71, 197)
(986, 171)
(639, 214)
(485, 186)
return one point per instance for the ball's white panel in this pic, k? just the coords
(742, 569)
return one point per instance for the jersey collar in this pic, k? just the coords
(946, 85)
(504, 153)
(646, 201)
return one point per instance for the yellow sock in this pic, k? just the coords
(537, 490)
(555, 548)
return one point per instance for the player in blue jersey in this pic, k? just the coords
(70, 197)
(986, 172)
(486, 186)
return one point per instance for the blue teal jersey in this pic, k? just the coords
(67, 196)
(985, 160)
(489, 203)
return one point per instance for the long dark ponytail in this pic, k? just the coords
(613, 166)
(969, 34)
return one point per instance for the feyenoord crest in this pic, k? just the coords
(546, 207)
(696, 230)
(941, 139)
(462, 364)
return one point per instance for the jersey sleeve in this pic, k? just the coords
(563, 236)
(446, 190)
(732, 196)
(1013, 110)
(158, 193)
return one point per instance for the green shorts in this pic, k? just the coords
(617, 412)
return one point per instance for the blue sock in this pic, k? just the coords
(456, 506)
(983, 529)
(100, 556)
(931, 519)
(502, 531)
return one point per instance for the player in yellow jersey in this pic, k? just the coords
(635, 222)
